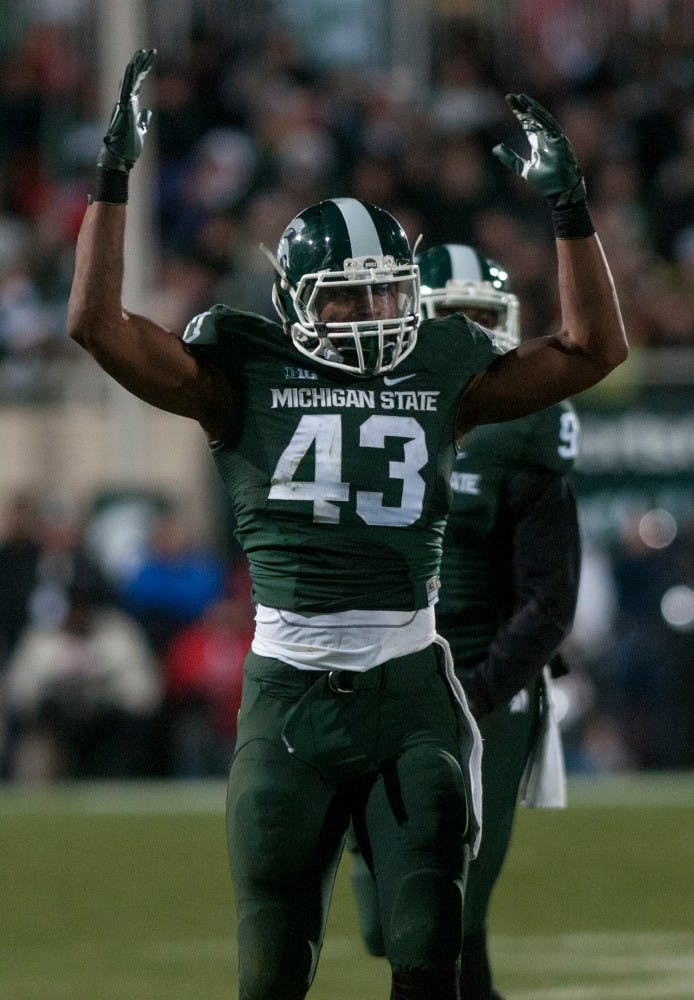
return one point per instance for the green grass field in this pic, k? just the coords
(122, 893)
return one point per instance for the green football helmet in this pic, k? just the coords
(456, 278)
(347, 290)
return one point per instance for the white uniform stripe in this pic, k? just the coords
(464, 263)
(363, 235)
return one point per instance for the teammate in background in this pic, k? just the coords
(334, 433)
(509, 582)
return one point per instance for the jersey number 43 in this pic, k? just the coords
(327, 490)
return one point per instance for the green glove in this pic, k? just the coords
(552, 168)
(124, 139)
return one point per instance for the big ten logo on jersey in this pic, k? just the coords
(299, 373)
(466, 482)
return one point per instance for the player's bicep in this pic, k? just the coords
(155, 365)
(535, 375)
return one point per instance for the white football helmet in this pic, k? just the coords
(456, 278)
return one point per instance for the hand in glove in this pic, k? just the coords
(551, 168)
(125, 137)
(126, 132)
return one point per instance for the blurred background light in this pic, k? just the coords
(677, 607)
(657, 529)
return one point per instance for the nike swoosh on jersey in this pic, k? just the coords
(394, 381)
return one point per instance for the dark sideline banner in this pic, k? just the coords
(636, 453)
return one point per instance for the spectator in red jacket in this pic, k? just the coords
(203, 668)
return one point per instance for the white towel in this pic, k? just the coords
(544, 782)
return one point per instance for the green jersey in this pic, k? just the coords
(340, 485)
(477, 567)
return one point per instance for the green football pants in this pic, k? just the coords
(314, 750)
(508, 735)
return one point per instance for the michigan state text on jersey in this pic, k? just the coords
(327, 468)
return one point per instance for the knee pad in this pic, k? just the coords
(427, 791)
(421, 878)
(426, 922)
(273, 965)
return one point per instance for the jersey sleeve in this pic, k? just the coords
(540, 509)
(229, 334)
(455, 348)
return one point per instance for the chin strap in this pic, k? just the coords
(275, 263)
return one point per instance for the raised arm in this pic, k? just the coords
(144, 357)
(591, 341)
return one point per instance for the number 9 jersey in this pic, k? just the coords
(340, 484)
(480, 545)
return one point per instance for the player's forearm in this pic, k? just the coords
(520, 650)
(95, 313)
(591, 319)
(544, 370)
(96, 319)
(123, 343)
(545, 560)
(591, 342)
(144, 357)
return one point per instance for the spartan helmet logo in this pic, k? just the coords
(291, 233)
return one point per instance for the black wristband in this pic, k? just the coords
(572, 222)
(111, 186)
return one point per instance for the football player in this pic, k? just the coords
(509, 583)
(334, 433)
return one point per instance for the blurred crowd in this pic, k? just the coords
(627, 702)
(134, 669)
(247, 132)
(116, 669)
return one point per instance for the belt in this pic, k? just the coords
(351, 681)
(403, 670)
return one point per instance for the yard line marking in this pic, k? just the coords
(676, 989)
(592, 940)
(662, 961)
